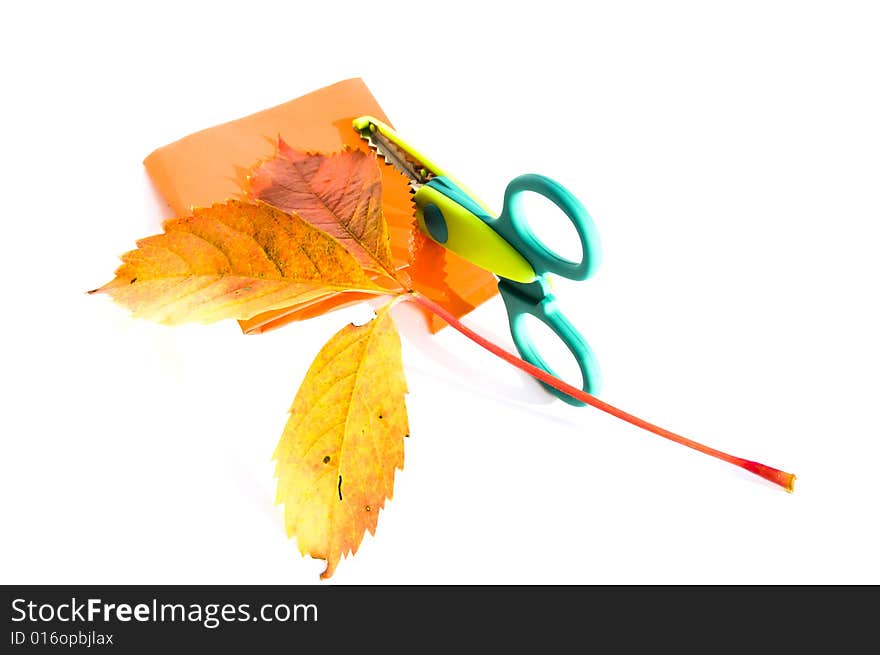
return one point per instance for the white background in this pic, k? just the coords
(728, 153)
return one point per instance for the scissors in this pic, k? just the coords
(504, 245)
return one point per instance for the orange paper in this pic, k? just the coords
(211, 166)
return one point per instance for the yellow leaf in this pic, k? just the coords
(336, 459)
(232, 260)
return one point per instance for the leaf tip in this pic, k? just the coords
(104, 288)
(283, 149)
(329, 570)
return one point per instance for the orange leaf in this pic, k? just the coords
(336, 459)
(340, 193)
(232, 260)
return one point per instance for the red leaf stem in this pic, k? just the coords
(776, 476)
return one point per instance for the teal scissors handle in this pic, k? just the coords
(521, 302)
(508, 247)
(513, 226)
(535, 298)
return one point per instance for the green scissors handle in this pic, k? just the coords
(508, 247)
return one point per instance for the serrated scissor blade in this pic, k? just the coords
(398, 157)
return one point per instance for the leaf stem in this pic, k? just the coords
(776, 476)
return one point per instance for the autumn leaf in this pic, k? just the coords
(340, 193)
(336, 459)
(232, 260)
